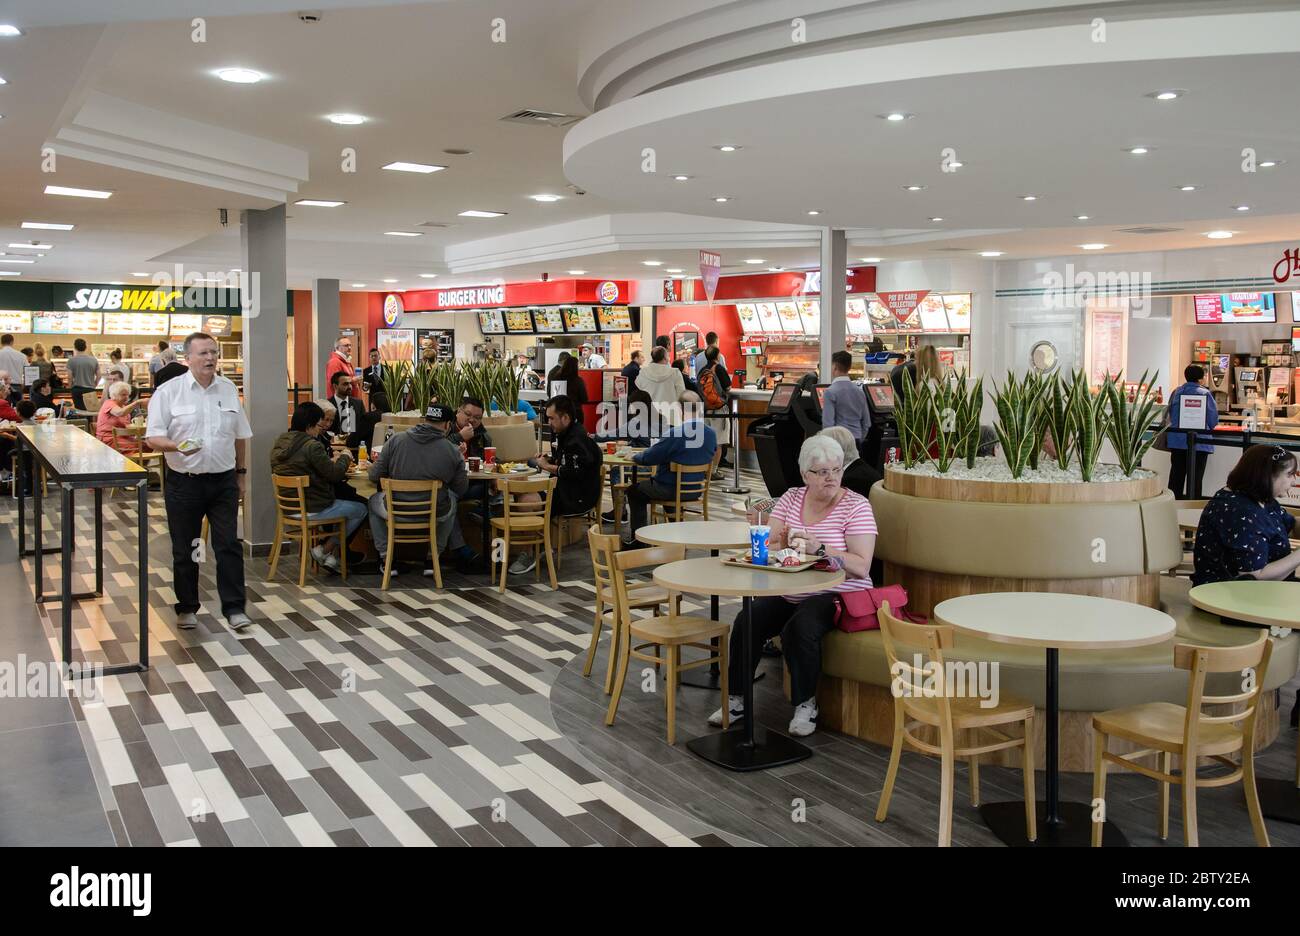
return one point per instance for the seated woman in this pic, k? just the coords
(858, 475)
(301, 452)
(115, 413)
(1244, 532)
(41, 395)
(829, 520)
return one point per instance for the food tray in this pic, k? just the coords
(741, 559)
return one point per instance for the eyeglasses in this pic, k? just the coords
(825, 473)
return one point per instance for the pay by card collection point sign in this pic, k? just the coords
(902, 304)
(710, 271)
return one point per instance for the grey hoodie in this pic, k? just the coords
(663, 382)
(422, 453)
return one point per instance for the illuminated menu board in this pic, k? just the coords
(136, 323)
(1235, 308)
(491, 322)
(958, 308)
(788, 313)
(769, 321)
(50, 323)
(580, 319)
(15, 321)
(82, 322)
(548, 321)
(518, 322)
(933, 316)
(855, 315)
(185, 325)
(614, 319)
(218, 326)
(810, 312)
(882, 320)
(748, 314)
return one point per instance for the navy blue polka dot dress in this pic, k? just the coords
(1236, 536)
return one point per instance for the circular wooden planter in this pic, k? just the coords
(938, 487)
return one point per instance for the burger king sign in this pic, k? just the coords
(392, 309)
(607, 292)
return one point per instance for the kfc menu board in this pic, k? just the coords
(491, 322)
(933, 316)
(614, 319)
(518, 322)
(788, 313)
(15, 321)
(580, 319)
(748, 314)
(958, 308)
(882, 320)
(548, 321)
(810, 313)
(1235, 308)
(769, 321)
(855, 314)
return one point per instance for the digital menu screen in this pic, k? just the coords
(185, 325)
(1295, 338)
(137, 323)
(50, 323)
(934, 318)
(958, 308)
(548, 321)
(1235, 308)
(15, 321)
(855, 315)
(1295, 307)
(810, 311)
(788, 313)
(882, 320)
(81, 322)
(218, 326)
(491, 322)
(913, 321)
(781, 397)
(748, 314)
(518, 322)
(882, 396)
(614, 319)
(768, 319)
(579, 319)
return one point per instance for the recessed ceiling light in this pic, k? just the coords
(1170, 94)
(403, 233)
(678, 276)
(755, 262)
(776, 269)
(673, 270)
(913, 188)
(76, 192)
(1218, 235)
(545, 198)
(652, 263)
(814, 213)
(358, 285)
(727, 147)
(1241, 207)
(239, 75)
(577, 272)
(390, 281)
(1187, 188)
(347, 120)
(8, 30)
(1270, 163)
(1094, 246)
(681, 178)
(46, 226)
(1138, 150)
(896, 116)
(475, 213)
(1081, 218)
(319, 203)
(870, 259)
(721, 198)
(32, 246)
(10, 273)
(990, 253)
(428, 276)
(425, 168)
(1029, 198)
(3, 82)
(116, 283)
(19, 260)
(139, 274)
(936, 219)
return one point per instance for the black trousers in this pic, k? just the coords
(801, 627)
(189, 499)
(78, 394)
(1178, 462)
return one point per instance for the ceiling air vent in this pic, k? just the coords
(1147, 230)
(435, 224)
(537, 117)
(950, 249)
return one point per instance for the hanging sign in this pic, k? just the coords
(902, 304)
(710, 271)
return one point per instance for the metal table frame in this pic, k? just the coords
(67, 489)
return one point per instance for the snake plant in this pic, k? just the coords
(1056, 413)
(1019, 422)
(395, 377)
(1128, 423)
(968, 418)
(942, 403)
(1089, 419)
(1036, 387)
(912, 414)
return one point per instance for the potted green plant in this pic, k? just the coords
(1056, 413)
(1088, 423)
(1128, 423)
(912, 414)
(395, 378)
(1019, 425)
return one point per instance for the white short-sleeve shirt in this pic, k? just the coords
(182, 409)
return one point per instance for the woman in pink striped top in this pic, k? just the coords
(822, 518)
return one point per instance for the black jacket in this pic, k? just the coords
(359, 421)
(372, 377)
(477, 444)
(579, 459)
(859, 477)
(630, 373)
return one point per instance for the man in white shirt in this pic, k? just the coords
(594, 360)
(14, 362)
(198, 422)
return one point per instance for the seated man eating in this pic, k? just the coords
(691, 442)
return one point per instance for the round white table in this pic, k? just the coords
(747, 747)
(1053, 622)
(699, 534)
(1271, 604)
(1189, 517)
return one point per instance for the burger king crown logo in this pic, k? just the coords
(392, 309)
(608, 291)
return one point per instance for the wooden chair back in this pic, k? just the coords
(604, 546)
(512, 508)
(908, 680)
(413, 519)
(627, 560)
(291, 497)
(1249, 660)
(693, 493)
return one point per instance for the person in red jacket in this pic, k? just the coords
(340, 361)
(7, 436)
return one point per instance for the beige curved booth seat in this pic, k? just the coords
(514, 437)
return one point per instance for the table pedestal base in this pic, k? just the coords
(1279, 799)
(729, 749)
(1074, 830)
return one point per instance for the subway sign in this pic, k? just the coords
(109, 299)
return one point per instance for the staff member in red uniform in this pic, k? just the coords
(205, 479)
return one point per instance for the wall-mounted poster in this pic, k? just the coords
(548, 321)
(491, 322)
(580, 319)
(855, 316)
(218, 326)
(395, 344)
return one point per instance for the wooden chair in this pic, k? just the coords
(923, 694)
(1166, 729)
(681, 503)
(617, 490)
(412, 521)
(668, 634)
(641, 595)
(292, 522)
(525, 523)
(131, 444)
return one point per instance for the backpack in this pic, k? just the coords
(709, 391)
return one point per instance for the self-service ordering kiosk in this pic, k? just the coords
(793, 413)
(883, 434)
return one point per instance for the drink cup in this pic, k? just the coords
(759, 534)
(490, 455)
(474, 463)
(611, 448)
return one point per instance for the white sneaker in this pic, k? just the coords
(804, 722)
(239, 620)
(524, 562)
(736, 707)
(328, 560)
(187, 621)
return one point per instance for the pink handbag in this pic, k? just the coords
(856, 611)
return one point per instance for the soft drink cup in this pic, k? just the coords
(489, 455)
(474, 463)
(759, 534)
(611, 448)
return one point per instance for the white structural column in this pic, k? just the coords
(266, 365)
(324, 332)
(834, 324)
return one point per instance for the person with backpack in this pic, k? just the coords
(714, 386)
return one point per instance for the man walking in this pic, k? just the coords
(83, 373)
(196, 419)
